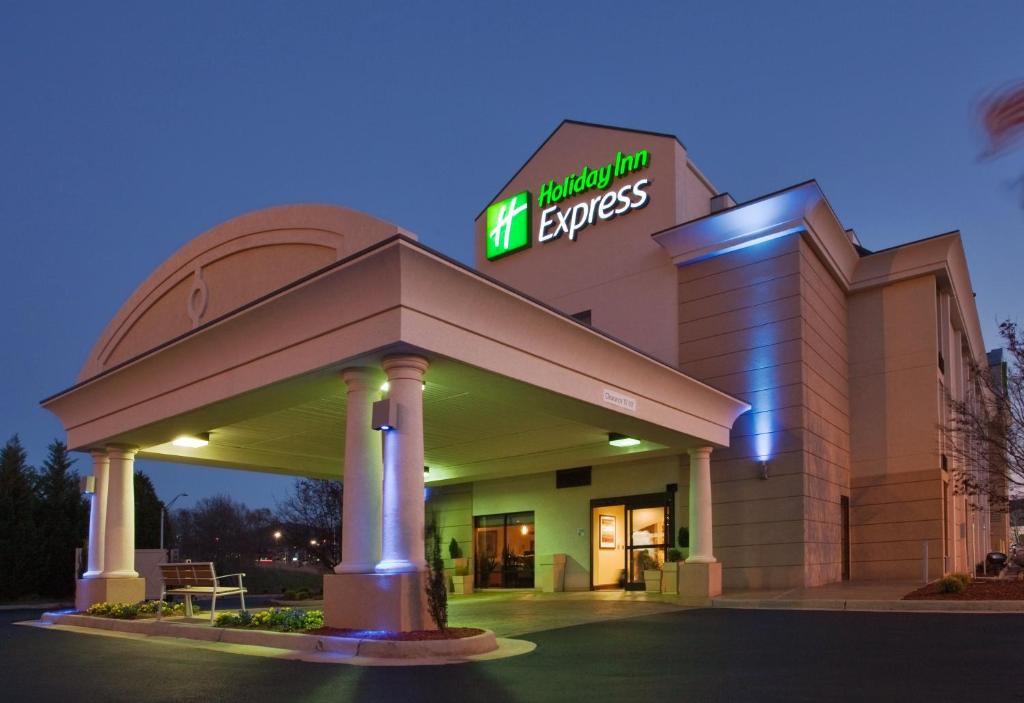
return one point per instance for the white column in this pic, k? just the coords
(402, 522)
(97, 514)
(119, 549)
(360, 517)
(701, 550)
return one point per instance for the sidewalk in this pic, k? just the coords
(857, 595)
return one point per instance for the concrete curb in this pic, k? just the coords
(451, 650)
(35, 606)
(905, 606)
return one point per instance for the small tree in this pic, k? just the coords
(61, 522)
(313, 514)
(984, 431)
(147, 514)
(436, 588)
(19, 550)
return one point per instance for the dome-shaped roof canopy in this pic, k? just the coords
(227, 267)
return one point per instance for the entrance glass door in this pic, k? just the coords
(645, 543)
(628, 535)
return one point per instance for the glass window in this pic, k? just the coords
(504, 550)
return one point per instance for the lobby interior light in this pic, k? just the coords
(620, 440)
(192, 441)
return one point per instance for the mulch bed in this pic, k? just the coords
(977, 590)
(453, 633)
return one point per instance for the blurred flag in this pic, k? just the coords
(1002, 118)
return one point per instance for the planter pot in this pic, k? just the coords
(461, 566)
(652, 580)
(462, 585)
(670, 577)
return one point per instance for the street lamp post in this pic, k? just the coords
(163, 511)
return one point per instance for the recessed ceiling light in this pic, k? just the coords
(191, 441)
(620, 440)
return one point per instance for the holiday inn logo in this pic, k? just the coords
(508, 221)
(508, 225)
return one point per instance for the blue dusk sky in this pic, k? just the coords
(129, 128)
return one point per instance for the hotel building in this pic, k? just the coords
(632, 353)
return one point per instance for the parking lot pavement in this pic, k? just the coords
(678, 655)
(515, 613)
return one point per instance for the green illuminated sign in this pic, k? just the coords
(589, 178)
(508, 225)
(508, 221)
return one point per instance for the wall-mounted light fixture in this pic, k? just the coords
(763, 464)
(87, 484)
(385, 415)
(620, 440)
(192, 441)
(426, 469)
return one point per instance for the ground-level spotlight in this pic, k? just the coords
(620, 440)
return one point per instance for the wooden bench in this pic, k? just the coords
(198, 578)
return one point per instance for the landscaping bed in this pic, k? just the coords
(134, 611)
(975, 590)
(275, 619)
(452, 633)
(329, 642)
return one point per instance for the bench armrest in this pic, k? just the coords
(227, 575)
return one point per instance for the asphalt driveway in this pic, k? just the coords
(678, 655)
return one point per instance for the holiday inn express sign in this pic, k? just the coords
(509, 221)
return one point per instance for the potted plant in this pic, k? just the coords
(683, 542)
(462, 582)
(486, 566)
(652, 572)
(670, 571)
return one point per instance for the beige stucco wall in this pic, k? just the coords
(740, 330)
(826, 414)
(897, 484)
(769, 324)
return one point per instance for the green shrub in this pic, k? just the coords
(951, 584)
(261, 578)
(149, 607)
(298, 594)
(230, 620)
(963, 578)
(277, 619)
(121, 611)
(131, 611)
(675, 554)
